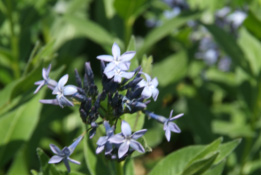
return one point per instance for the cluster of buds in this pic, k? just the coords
(124, 92)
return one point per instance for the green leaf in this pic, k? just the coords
(89, 29)
(160, 32)
(129, 167)
(132, 47)
(17, 126)
(216, 170)
(251, 48)
(200, 166)
(135, 120)
(252, 23)
(226, 149)
(229, 45)
(171, 69)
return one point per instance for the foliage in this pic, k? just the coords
(216, 102)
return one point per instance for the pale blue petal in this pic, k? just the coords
(146, 92)
(174, 128)
(127, 75)
(123, 149)
(107, 58)
(138, 134)
(69, 90)
(155, 94)
(155, 82)
(109, 67)
(136, 146)
(118, 138)
(117, 78)
(49, 101)
(116, 52)
(147, 77)
(74, 161)
(74, 144)
(55, 159)
(125, 129)
(55, 149)
(38, 88)
(176, 117)
(167, 134)
(99, 149)
(102, 140)
(142, 83)
(66, 163)
(171, 112)
(127, 56)
(39, 82)
(108, 148)
(62, 81)
(124, 66)
(109, 74)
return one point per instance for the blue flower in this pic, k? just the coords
(64, 154)
(126, 139)
(103, 141)
(61, 91)
(170, 126)
(46, 80)
(119, 61)
(150, 87)
(118, 74)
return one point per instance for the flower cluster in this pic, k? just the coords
(124, 92)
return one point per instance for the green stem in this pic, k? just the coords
(128, 30)
(120, 165)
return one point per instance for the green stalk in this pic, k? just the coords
(120, 166)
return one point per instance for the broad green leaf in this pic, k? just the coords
(171, 69)
(129, 167)
(230, 46)
(146, 64)
(135, 120)
(251, 48)
(200, 166)
(162, 31)
(216, 170)
(17, 126)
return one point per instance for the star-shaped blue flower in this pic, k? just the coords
(64, 154)
(150, 87)
(119, 61)
(61, 91)
(118, 74)
(170, 126)
(46, 80)
(127, 140)
(103, 141)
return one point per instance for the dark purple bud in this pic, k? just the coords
(78, 78)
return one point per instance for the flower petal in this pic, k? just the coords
(176, 117)
(74, 144)
(55, 149)
(167, 134)
(62, 81)
(74, 161)
(155, 82)
(127, 56)
(109, 74)
(118, 138)
(174, 127)
(123, 149)
(127, 75)
(102, 140)
(109, 67)
(148, 78)
(55, 159)
(138, 134)
(108, 148)
(107, 58)
(125, 128)
(99, 149)
(38, 88)
(49, 101)
(155, 94)
(69, 90)
(116, 52)
(117, 78)
(66, 163)
(146, 93)
(142, 83)
(136, 146)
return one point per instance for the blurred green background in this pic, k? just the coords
(205, 54)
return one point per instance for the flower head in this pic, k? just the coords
(150, 87)
(118, 74)
(61, 91)
(117, 60)
(126, 139)
(64, 153)
(103, 141)
(170, 126)
(46, 80)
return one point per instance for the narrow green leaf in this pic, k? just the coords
(200, 166)
(216, 170)
(252, 23)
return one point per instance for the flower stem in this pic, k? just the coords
(120, 165)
